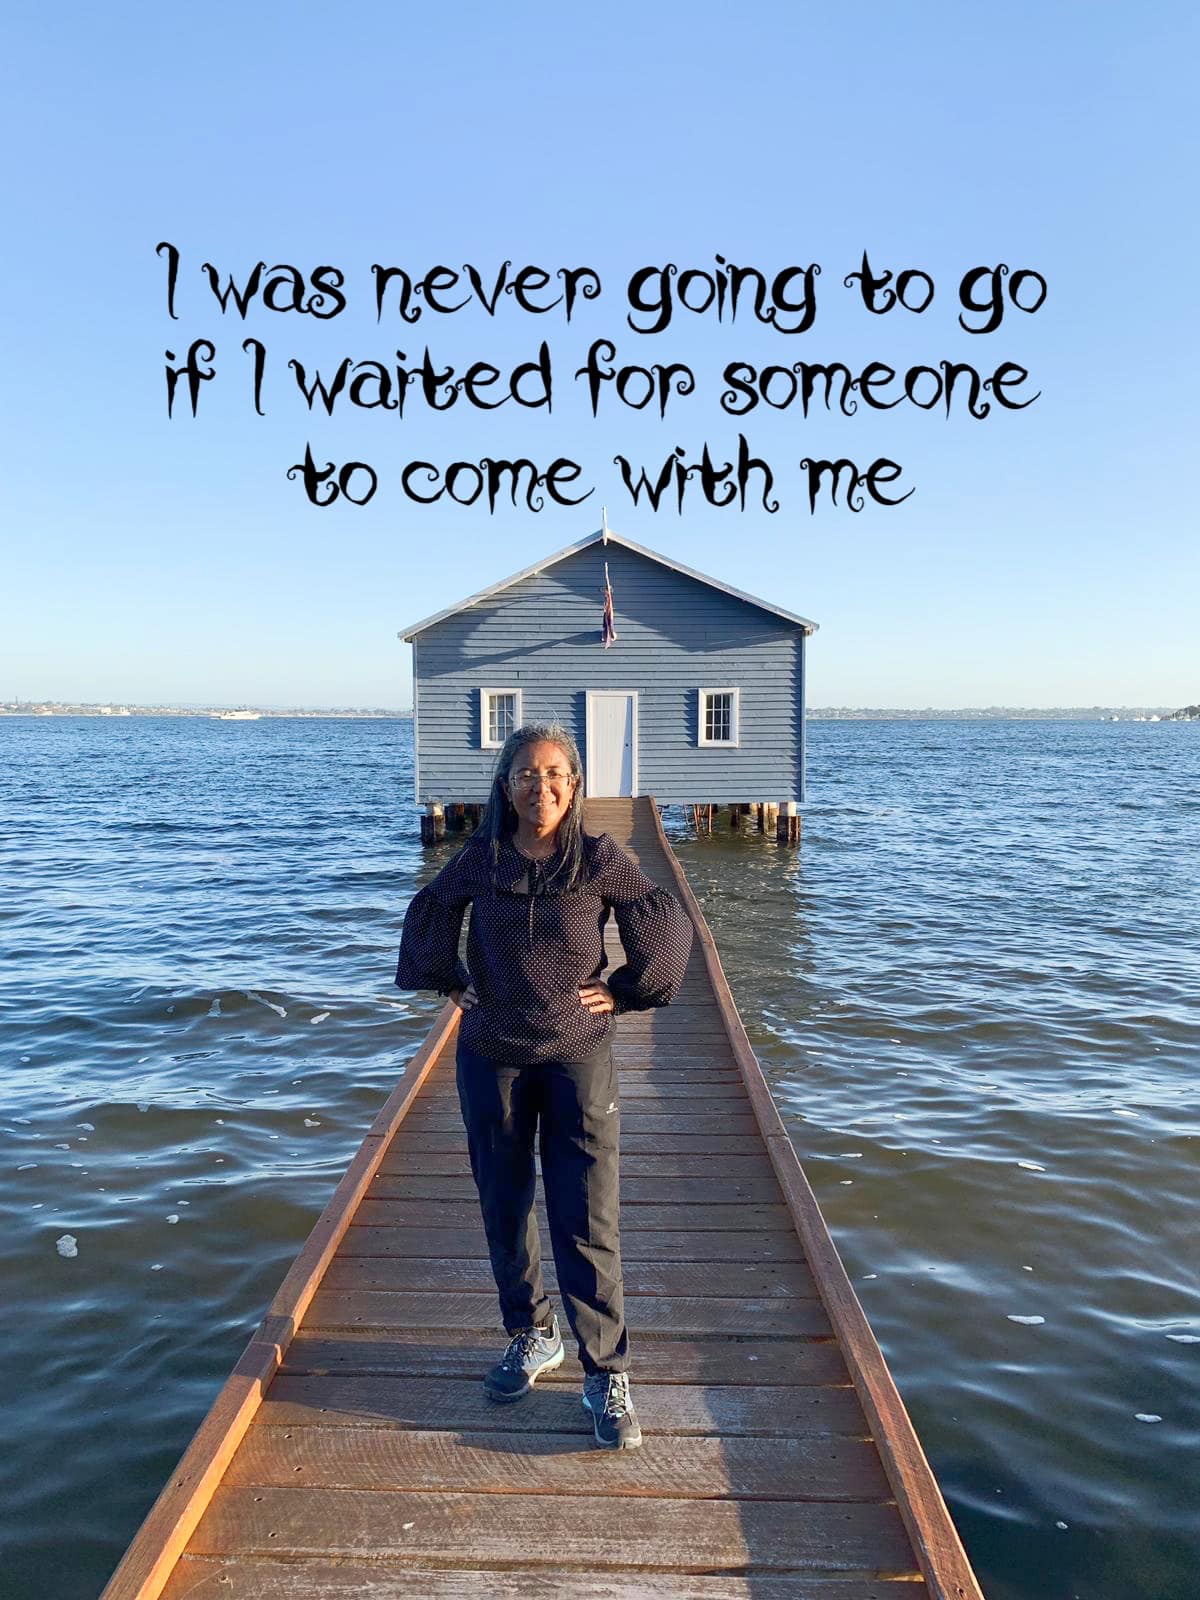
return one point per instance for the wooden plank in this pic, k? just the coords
(450, 1141)
(942, 1559)
(757, 1279)
(170, 1523)
(443, 1526)
(410, 1162)
(659, 1190)
(670, 1316)
(650, 1245)
(377, 1400)
(261, 1578)
(634, 1119)
(669, 1466)
(634, 1218)
(645, 1087)
(688, 1055)
(641, 1026)
(464, 1353)
(694, 1001)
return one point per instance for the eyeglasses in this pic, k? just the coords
(527, 777)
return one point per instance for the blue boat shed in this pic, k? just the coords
(697, 699)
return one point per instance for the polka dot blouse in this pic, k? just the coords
(530, 945)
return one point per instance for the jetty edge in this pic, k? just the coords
(801, 1477)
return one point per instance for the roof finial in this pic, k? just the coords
(603, 524)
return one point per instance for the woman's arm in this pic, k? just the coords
(655, 931)
(432, 924)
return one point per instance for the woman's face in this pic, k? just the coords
(540, 786)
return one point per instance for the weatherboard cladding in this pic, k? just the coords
(675, 635)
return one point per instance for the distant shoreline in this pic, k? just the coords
(114, 710)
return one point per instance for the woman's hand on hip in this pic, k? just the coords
(596, 997)
(464, 999)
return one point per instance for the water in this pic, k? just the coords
(973, 990)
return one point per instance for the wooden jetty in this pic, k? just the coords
(352, 1452)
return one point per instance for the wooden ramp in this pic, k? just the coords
(352, 1452)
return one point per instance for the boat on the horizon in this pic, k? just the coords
(236, 716)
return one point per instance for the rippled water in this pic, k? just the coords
(973, 988)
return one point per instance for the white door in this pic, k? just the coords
(612, 742)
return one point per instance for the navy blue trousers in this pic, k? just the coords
(570, 1108)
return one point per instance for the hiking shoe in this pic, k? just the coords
(606, 1396)
(530, 1353)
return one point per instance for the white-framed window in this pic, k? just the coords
(718, 716)
(499, 715)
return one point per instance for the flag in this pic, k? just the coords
(608, 632)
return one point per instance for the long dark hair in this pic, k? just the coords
(500, 819)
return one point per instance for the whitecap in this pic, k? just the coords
(62, 1146)
(846, 1181)
(851, 1155)
(320, 1017)
(67, 1246)
(156, 1266)
(143, 1105)
(1031, 1166)
(867, 1276)
(214, 1010)
(270, 1004)
(174, 1217)
(1117, 1111)
(89, 1127)
(1185, 1338)
(1060, 1524)
(29, 1166)
(25, 1060)
(1027, 1322)
(1146, 1416)
(311, 1122)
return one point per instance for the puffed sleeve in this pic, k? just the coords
(655, 931)
(432, 924)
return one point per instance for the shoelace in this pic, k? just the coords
(521, 1346)
(616, 1394)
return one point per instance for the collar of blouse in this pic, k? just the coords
(525, 874)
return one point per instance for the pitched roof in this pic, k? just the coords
(603, 535)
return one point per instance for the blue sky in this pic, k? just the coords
(1048, 556)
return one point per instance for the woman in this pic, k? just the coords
(535, 1052)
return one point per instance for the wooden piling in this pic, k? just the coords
(433, 823)
(788, 827)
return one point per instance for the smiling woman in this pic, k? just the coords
(535, 1051)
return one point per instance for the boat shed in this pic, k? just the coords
(696, 698)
